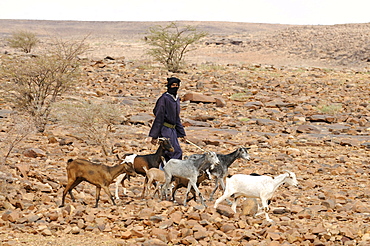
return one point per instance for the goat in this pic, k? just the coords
(97, 174)
(220, 171)
(188, 169)
(156, 177)
(251, 186)
(148, 161)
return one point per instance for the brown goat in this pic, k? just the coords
(97, 174)
(153, 176)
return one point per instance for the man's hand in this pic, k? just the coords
(183, 139)
(154, 141)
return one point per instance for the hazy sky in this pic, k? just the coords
(313, 12)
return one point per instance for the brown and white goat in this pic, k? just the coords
(97, 174)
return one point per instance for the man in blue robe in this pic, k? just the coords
(167, 121)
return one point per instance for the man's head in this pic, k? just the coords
(173, 85)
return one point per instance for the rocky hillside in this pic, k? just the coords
(309, 120)
(337, 45)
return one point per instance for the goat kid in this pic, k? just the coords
(188, 169)
(140, 161)
(251, 186)
(156, 177)
(97, 174)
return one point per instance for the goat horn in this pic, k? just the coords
(288, 173)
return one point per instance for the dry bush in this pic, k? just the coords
(32, 84)
(23, 40)
(17, 131)
(94, 121)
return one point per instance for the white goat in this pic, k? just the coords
(251, 186)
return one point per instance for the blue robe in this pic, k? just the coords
(167, 109)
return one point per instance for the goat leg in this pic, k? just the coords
(97, 195)
(198, 192)
(187, 192)
(70, 185)
(265, 208)
(146, 182)
(214, 190)
(220, 199)
(194, 195)
(234, 204)
(106, 189)
(72, 196)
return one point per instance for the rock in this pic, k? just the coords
(197, 98)
(126, 235)
(141, 118)
(322, 118)
(189, 240)
(52, 139)
(201, 234)
(308, 129)
(220, 102)
(329, 203)
(266, 122)
(176, 216)
(159, 233)
(249, 207)
(146, 213)
(11, 216)
(225, 210)
(43, 187)
(34, 152)
(154, 242)
(46, 232)
(66, 141)
(253, 105)
(227, 227)
(75, 230)
(189, 122)
(23, 168)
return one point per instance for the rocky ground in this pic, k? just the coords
(311, 120)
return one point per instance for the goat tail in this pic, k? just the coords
(146, 170)
(69, 161)
(164, 161)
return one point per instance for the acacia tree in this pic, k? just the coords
(23, 40)
(32, 84)
(170, 44)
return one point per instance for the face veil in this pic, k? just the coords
(173, 90)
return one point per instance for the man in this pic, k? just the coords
(167, 121)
